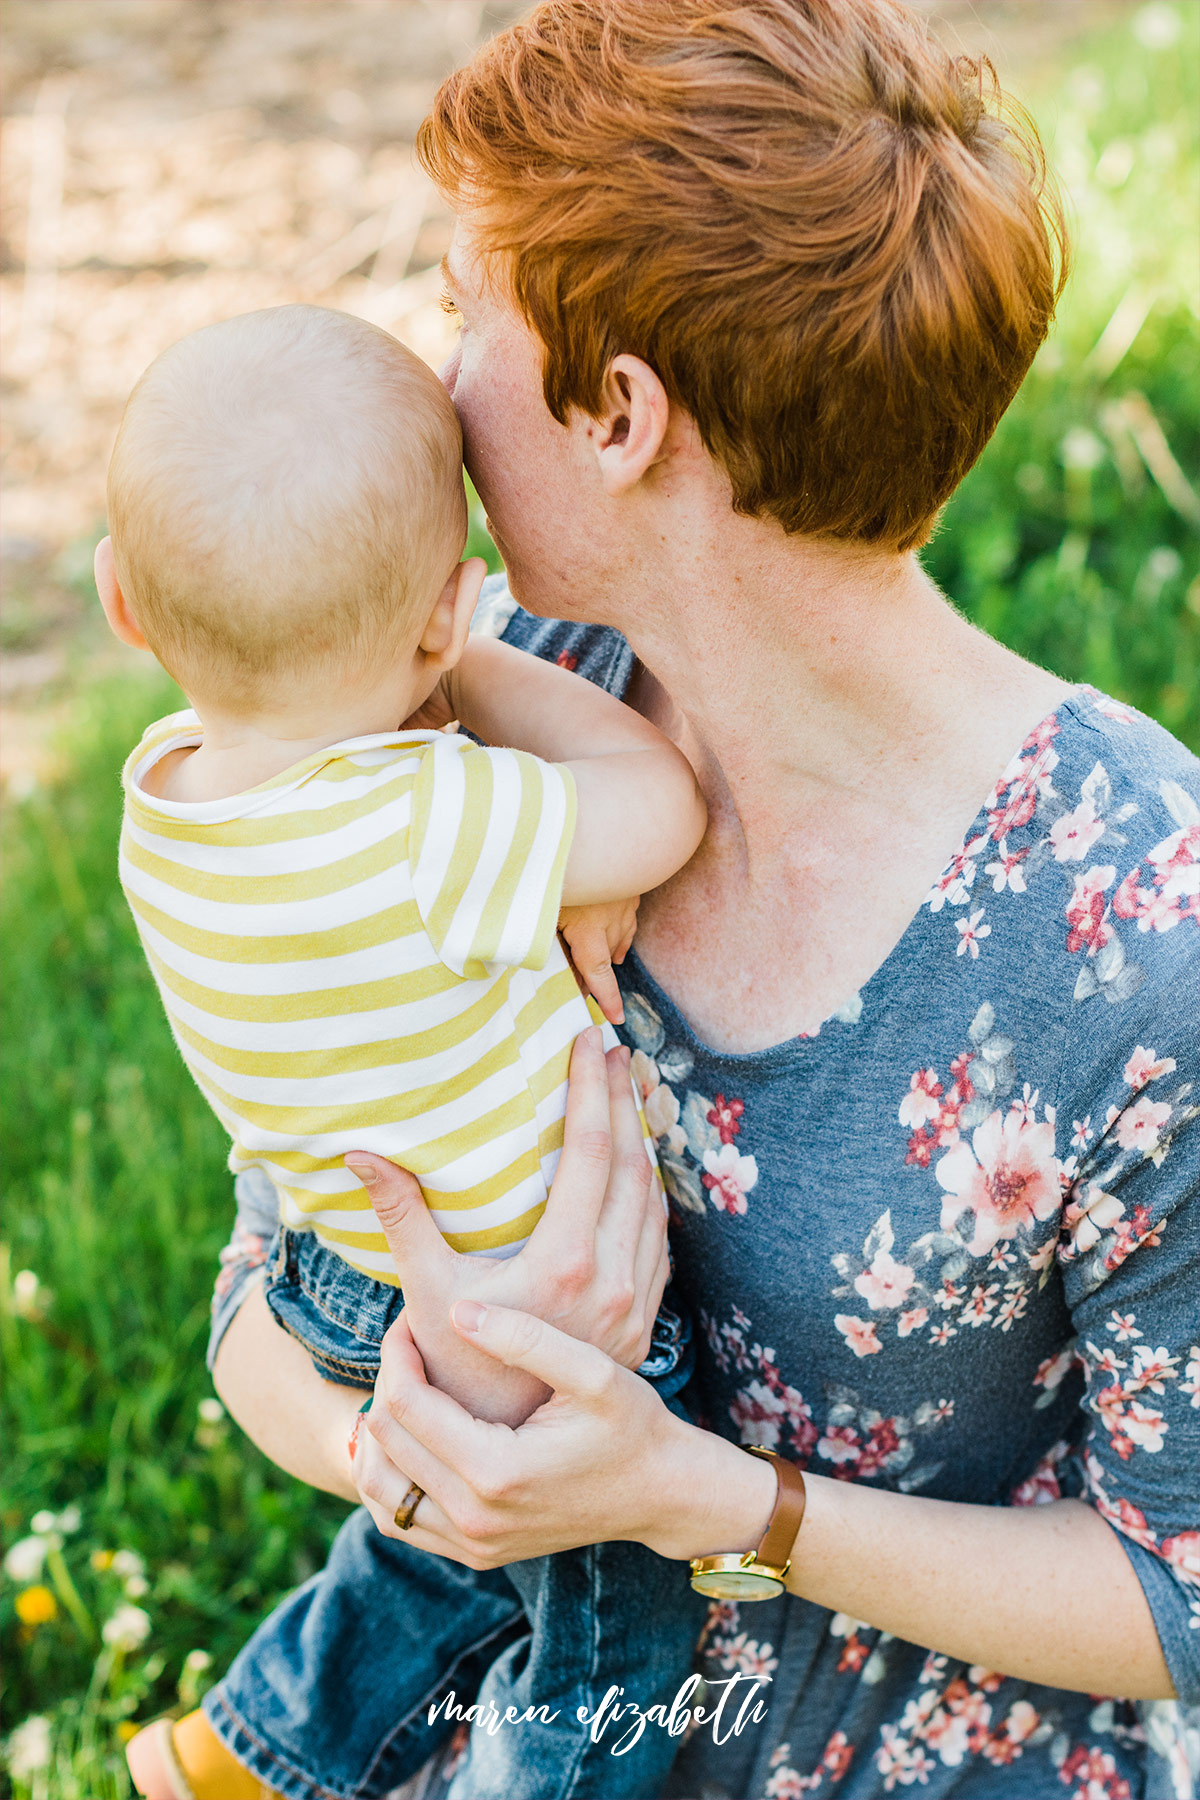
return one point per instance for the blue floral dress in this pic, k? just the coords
(947, 1245)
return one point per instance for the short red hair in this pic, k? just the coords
(835, 243)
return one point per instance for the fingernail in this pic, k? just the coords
(468, 1315)
(594, 1037)
(366, 1172)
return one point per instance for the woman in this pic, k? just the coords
(744, 290)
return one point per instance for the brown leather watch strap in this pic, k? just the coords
(778, 1540)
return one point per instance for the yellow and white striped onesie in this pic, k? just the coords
(362, 954)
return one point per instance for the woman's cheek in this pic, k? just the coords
(449, 371)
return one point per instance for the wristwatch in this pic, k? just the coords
(758, 1574)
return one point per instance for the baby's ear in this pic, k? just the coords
(116, 608)
(445, 635)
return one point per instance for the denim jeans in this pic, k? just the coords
(331, 1697)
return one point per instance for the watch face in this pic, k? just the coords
(736, 1584)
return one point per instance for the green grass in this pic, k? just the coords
(118, 1200)
(1073, 540)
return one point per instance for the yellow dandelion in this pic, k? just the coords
(102, 1560)
(127, 1729)
(36, 1605)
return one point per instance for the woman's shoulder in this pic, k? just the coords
(1096, 775)
(1072, 909)
(1120, 814)
(1096, 819)
(597, 652)
(1132, 748)
(1112, 845)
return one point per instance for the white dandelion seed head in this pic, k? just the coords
(24, 1560)
(1081, 449)
(29, 1296)
(1164, 563)
(29, 1748)
(128, 1627)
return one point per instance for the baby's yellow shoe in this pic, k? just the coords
(184, 1759)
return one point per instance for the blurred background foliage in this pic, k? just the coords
(1074, 539)
(145, 1537)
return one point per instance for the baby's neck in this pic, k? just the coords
(237, 755)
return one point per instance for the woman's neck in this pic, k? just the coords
(845, 724)
(819, 678)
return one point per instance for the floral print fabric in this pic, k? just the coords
(947, 1244)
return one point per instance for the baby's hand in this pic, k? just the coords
(436, 713)
(598, 936)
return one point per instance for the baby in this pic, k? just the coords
(351, 915)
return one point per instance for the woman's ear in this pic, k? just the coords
(628, 436)
(445, 635)
(116, 607)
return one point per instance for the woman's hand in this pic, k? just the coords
(1043, 1592)
(595, 1264)
(602, 1458)
(544, 1333)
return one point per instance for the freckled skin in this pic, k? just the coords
(754, 961)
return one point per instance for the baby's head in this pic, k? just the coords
(286, 504)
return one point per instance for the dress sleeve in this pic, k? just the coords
(597, 652)
(1128, 1252)
(488, 847)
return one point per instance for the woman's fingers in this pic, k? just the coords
(567, 1227)
(597, 1246)
(490, 1490)
(384, 1488)
(399, 1205)
(651, 1271)
(652, 1256)
(465, 1466)
(422, 1430)
(631, 1238)
(400, 1458)
(524, 1341)
(631, 1186)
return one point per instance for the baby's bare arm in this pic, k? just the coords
(641, 814)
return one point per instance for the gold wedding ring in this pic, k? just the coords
(407, 1508)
